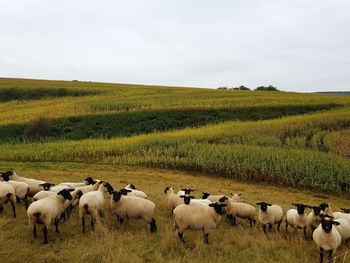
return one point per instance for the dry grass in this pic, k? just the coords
(132, 242)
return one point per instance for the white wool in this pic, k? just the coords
(327, 241)
(34, 184)
(21, 189)
(173, 199)
(272, 215)
(343, 229)
(239, 209)
(295, 220)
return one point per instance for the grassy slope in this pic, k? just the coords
(132, 242)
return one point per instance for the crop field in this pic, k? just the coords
(279, 147)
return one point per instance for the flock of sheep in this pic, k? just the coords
(52, 203)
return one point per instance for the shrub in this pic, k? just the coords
(41, 127)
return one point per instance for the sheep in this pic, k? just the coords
(197, 218)
(237, 209)
(297, 218)
(184, 191)
(43, 194)
(190, 200)
(46, 186)
(72, 185)
(269, 215)
(135, 192)
(212, 198)
(47, 210)
(34, 185)
(236, 197)
(7, 193)
(88, 188)
(173, 199)
(345, 214)
(313, 217)
(21, 191)
(343, 229)
(133, 207)
(92, 203)
(326, 209)
(58, 188)
(327, 237)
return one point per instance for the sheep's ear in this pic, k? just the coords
(129, 191)
(269, 204)
(192, 197)
(239, 194)
(223, 205)
(259, 203)
(335, 223)
(294, 204)
(181, 196)
(70, 189)
(41, 184)
(211, 205)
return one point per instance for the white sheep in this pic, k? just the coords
(197, 218)
(7, 193)
(345, 214)
(236, 197)
(72, 185)
(297, 218)
(327, 237)
(326, 209)
(47, 210)
(21, 191)
(190, 200)
(314, 218)
(92, 203)
(132, 207)
(34, 185)
(238, 209)
(343, 229)
(135, 192)
(269, 215)
(173, 199)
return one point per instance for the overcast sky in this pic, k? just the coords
(296, 45)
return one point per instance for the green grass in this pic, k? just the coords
(132, 242)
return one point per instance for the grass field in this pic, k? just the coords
(132, 242)
(279, 147)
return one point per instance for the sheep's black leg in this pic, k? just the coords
(234, 220)
(34, 231)
(286, 226)
(92, 223)
(305, 233)
(13, 209)
(250, 222)
(270, 226)
(1, 208)
(121, 220)
(45, 234)
(264, 228)
(83, 223)
(181, 236)
(321, 255)
(26, 202)
(56, 225)
(312, 229)
(278, 226)
(153, 226)
(18, 200)
(330, 255)
(206, 239)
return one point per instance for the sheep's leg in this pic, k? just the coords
(229, 219)
(45, 234)
(330, 255)
(270, 227)
(206, 238)
(181, 236)
(83, 223)
(18, 200)
(121, 220)
(250, 222)
(34, 231)
(321, 255)
(287, 226)
(1, 208)
(92, 223)
(13, 209)
(312, 229)
(264, 227)
(26, 201)
(56, 225)
(234, 220)
(304, 229)
(278, 226)
(153, 226)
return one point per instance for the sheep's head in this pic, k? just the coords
(167, 189)
(327, 223)
(223, 199)
(317, 210)
(187, 198)
(345, 210)
(65, 193)
(218, 207)
(116, 196)
(89, 180)
(108, 187)
(6, 175)
(300, 208)
(324, 206)
(131, 186)
(187, 190)
(205, 195)
(125, 191)
(46, 186)
(263, 206)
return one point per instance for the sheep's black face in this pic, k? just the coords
(89, 180)
(187, 198)
(125, 191)
(328, 224)
(263, 206)
(187, 190)
(46, 186)
(300, 208)
(223, 199)
(205, 195)
(166, 189)
(317, 210)
(345, 210)
(66, 194)
(5, 177)
(218, 207)
(79, 194)
(109, 187)
(323, 206)
(116, 196)
(132, 186)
